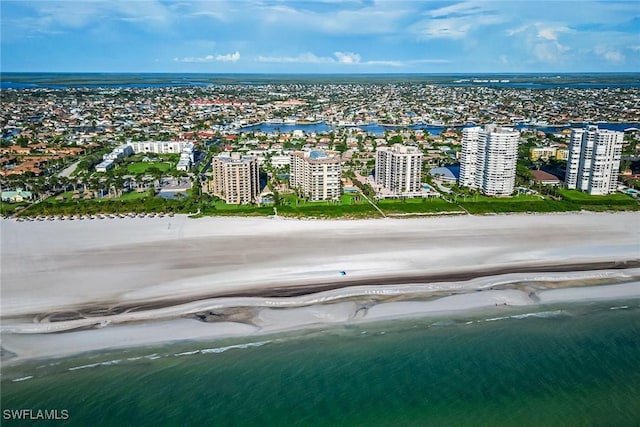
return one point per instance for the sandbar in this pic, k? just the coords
(131, 277)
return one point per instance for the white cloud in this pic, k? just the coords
(543, 40)
(465, 8)
(518, 30)
(385, 63)
(547, 32)
(304, 58)
(230, 57)
(68, 14)
(454, 28)
(608, 54)
(381, 17)
(347, 57)
(550, 52)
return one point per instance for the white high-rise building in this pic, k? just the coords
(399, 168)
(235, 178)
(488, 159)
(317, 175)
(469, 156)
(594, 160)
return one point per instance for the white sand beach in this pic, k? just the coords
(96, 267)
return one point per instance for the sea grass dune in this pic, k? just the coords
(136, 281)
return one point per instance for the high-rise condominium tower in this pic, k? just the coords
(488, 159)
(594, 160)
(235, 178)
(399, 168)
(317, 175)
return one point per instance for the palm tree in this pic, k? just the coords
(118, 182)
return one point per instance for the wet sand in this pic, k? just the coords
(236, 276)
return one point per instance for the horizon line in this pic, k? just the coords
(324, 73)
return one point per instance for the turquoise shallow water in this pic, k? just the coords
(574, 365)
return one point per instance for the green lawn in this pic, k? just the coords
(133, 195)
(128, 202)
(349, 205)
(9, 208)
(417, 206)
(573, 201)
(579, 196)
(143, 167)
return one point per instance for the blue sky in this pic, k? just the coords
(322, 36)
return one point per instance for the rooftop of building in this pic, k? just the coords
(542, 176)
(234, 157)
(318, 156)
(401, 149)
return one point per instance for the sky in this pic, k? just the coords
(319, 36)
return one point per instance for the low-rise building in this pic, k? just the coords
(16, 196)
(543, 153)
(545, 178)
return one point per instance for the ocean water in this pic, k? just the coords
(18, 80)
(572, 365)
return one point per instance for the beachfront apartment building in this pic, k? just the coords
(160, 147)
(186, 149)
(594, 160)
(399, 169)
(316, 175)
(109, 159)
(236, 179)
(488, 159)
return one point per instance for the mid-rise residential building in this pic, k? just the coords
(186, 149)
(109, 159)
(316, 175)
(160, 147)
(235, 178)
(399, 169)
(543, 153)
(488, 159)
(594, 160)
(548, 153)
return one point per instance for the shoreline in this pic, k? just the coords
(249, 317)
(72, 287)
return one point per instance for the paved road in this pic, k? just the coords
(66, 172)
